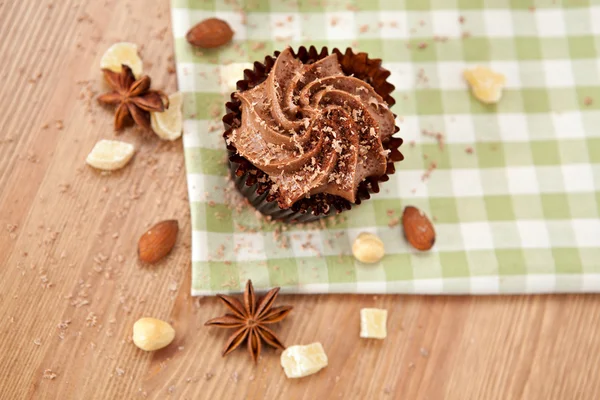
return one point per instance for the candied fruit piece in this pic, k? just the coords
(373, 323)
(122, 53)
(486, 85)
(299, 361)
(110, 155)
(168, 124)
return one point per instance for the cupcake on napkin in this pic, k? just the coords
(309, 134)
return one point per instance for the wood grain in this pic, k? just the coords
(72, 287)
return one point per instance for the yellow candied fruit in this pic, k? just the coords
(373, 323)
(168, 124)
(110, 155)
(486, 85)
(122, 53)
(299, 361)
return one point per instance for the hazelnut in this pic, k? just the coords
(368, 248)
(151, 334)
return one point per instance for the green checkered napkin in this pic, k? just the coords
(516, 190)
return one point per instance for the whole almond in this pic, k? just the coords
(418, 229)
(158, 241)
(210, 33)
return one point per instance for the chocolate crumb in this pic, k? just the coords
(429, 170)
(48, 374)
(257, 46)
(394, 222)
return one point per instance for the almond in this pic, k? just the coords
(158, 241)
(210, 33)
(418, 229)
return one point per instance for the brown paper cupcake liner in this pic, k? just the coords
(255, 185)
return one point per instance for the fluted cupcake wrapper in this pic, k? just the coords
(255, 185)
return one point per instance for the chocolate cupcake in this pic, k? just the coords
(309, 134)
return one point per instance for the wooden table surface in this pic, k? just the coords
(71, 285)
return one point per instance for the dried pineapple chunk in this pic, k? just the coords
(299, 361)
(122, 53)
(169, 123)
(373, 323)
(486, 85)
(110, 155)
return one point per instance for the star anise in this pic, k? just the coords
(250, 320)
(134, 98)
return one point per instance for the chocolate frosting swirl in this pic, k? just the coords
(313, 129)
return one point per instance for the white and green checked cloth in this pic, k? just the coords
(516, 192)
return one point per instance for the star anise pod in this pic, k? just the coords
(250, 321)
(133, 98)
